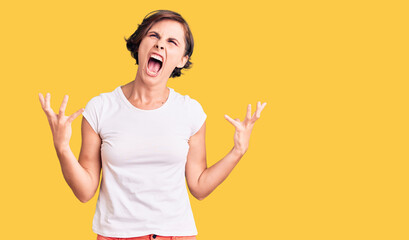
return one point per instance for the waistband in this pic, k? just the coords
(149, 237)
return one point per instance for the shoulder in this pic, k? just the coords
(103, 97)
(192, 106)
(186, 100)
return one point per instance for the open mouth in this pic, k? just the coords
(154, 66)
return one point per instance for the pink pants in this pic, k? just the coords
(149, 237)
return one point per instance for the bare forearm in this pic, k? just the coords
(74, 174)
(216, 174)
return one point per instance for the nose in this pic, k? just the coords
(159, 45)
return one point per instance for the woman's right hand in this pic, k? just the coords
(59, 123)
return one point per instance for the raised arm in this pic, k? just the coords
(82, 176)
(202, 180)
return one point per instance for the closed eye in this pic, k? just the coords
(157, 36)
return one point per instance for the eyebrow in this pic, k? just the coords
(159, 35)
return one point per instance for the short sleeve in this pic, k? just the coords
(197, 116)
(92, 113)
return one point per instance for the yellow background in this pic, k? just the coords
(328, 159)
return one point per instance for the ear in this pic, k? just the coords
(183, 61)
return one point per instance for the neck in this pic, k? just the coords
(143, 93)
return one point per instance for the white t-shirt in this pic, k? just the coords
(144, 152)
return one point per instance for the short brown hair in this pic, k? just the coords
(133, 42)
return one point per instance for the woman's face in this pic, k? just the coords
(166, 38)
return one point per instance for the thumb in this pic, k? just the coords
(231, 120)
(75, 115)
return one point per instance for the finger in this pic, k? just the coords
(255, 116)
(46, 105)
(47, 101)
(63, 105)
(248, 114)
(231, 120)
(260, 107)
(41, 99)
(259, 110)
(75, 115)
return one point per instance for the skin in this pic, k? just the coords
(166, 38)
(147, 92)
(202, 180)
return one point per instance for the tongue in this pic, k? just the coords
(153, 66)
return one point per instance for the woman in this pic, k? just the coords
(146, 138)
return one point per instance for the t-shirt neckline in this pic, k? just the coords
(129, 104)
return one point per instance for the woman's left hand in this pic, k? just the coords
(243, 129)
